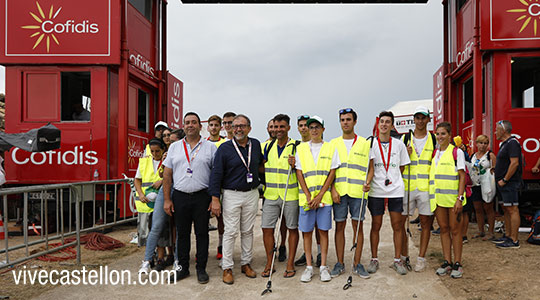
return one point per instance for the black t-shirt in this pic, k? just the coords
(509, 148)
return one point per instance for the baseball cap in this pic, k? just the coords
(421, 110)
(160, 123)
(315, 119)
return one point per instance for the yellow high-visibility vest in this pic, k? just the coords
(315, 175)
(146, 167)
(275, 172)
(420, 166)
(351, 174)
(444, 181)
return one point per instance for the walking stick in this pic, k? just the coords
(362, 211)
(276, 232)
(409, 188)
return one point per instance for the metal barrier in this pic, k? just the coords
(99, 196)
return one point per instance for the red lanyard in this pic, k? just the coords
(187, 154)
(208, 139)
(355, 136)
(160, 162)
(382, 154)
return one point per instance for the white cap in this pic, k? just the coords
(161, 123)
(421, 110)
(315, 119)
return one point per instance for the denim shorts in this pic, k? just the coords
(321, 216)
(353, 204)
(376, 205)
(509, 193)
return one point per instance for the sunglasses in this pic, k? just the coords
(345, 110)
(166, 135)
(227, 122)
(303, 117)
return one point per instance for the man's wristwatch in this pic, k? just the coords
(461, 198)
(504, 180)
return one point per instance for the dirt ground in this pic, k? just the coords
(489, 273)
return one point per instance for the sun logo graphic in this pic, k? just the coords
(530, 14)
(47, 27)
(134, 152)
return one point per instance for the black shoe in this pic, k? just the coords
(169, 260)
(202, 276)
(437, 231)
(407, 264)
(415, 221)
(282, 254)
(318, 264)
(160, 266)
(179, 275)
(301, 261)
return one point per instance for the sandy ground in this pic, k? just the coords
(490, 273)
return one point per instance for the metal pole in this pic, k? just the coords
(57, 215)
(81, 206)
(69, 214)
(46, 226)
(78, 227)
(25, 221)
(115, 201)
(41, 215)
(6, 233)
(62, 215)
(104, 204)
(94, 206)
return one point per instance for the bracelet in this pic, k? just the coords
(504, 180)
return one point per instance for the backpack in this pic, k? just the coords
(468, 180)
(534, 236)
(407, 138)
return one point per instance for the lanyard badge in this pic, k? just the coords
(189, 171)
(387, 182)
(249, 175)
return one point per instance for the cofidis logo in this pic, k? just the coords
(46, 27)
(527, 12)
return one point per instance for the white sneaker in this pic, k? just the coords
(308, 273)
(176, 266)
(325, 274)
(145, 267)
(420, 265)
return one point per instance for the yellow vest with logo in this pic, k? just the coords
(351, 174)
(315, 175)
(218, 143)
(146, 168)
(275, 172)
(444, 181)
(420, 167)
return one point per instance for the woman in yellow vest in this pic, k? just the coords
(446, 194)
(147, 184)
(316, 164)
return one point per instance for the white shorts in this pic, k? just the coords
(419, 200)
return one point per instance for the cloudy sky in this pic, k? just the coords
(261, 60)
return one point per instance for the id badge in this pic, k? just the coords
(387, 182)
(189, 172)
(249, 177)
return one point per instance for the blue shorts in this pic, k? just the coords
(376, 205)
(321, 216)
(509, 193)
(340, 210)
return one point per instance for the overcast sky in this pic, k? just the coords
(261, 60)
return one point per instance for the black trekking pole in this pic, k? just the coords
(409, 188)
(276, 232)
(361, 213)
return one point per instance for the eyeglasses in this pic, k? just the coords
(227, 122)
(345, 110)
(303, 117)
(166, 135)
(315, 127)
(240, 126)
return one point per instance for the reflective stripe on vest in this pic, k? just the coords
(420, 166)
(315, 175)
(444, 181)
(276, 170)
(146, 168)
(351, 174)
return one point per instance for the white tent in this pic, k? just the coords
(403, 114)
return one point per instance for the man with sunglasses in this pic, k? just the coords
(235, 175)
(508, 172)
(304, 134)
(228, 118)
(347, 189)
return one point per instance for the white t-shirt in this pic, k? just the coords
(460, 159)
(155, 163)
(315, 150)
(419, 144)
(398, 157)
(348, 144)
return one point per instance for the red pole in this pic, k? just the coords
(477, 78)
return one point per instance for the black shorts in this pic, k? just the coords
(476, 195)
(376, 205)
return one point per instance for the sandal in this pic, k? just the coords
(289, 273)
(266, 273)
(479, 235)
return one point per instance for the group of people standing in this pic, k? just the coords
(306, 182)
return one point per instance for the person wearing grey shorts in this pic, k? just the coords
(279, 161)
